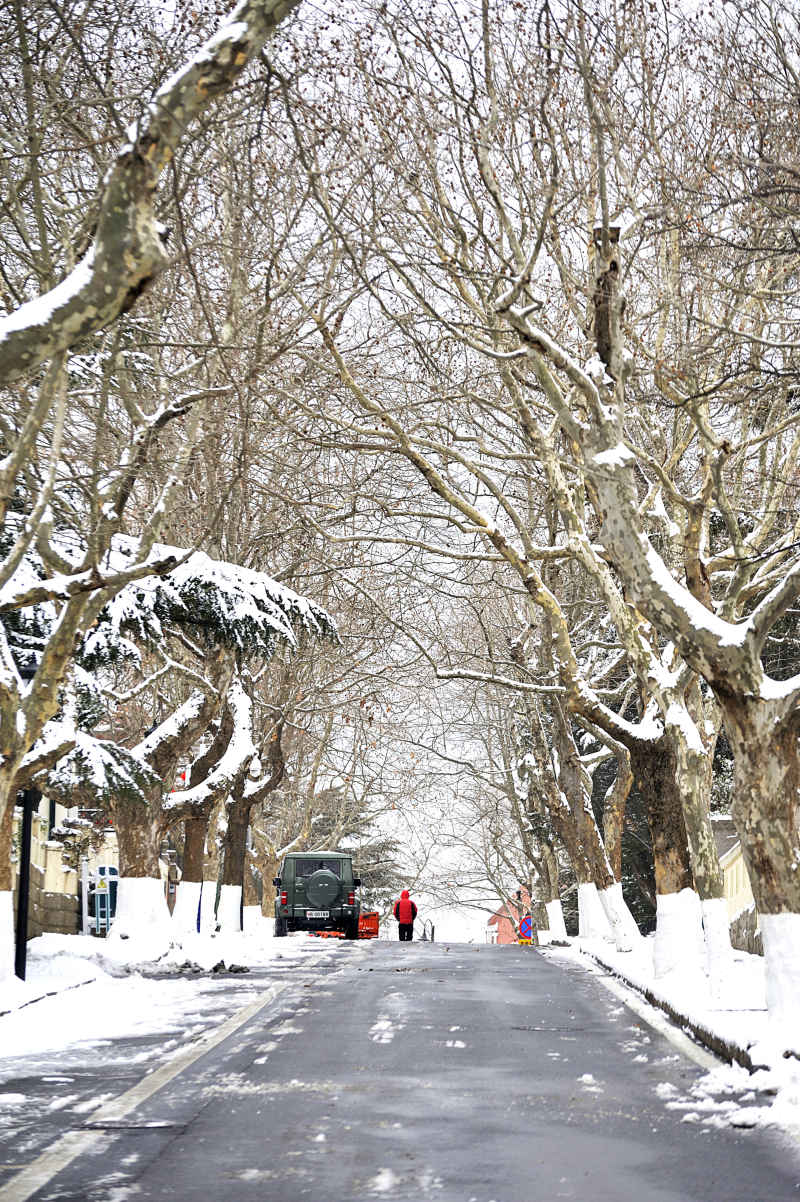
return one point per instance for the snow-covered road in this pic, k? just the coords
(389, 1071)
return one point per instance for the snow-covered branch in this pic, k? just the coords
(129, 244)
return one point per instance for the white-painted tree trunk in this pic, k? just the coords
(679, 943)
(142, 926)
(592, 921)
(719, 953)
(781, 936)
(187, 903)
(229, 909)
(624, 929)
(254, 923)
(555, 917)
(208, 909)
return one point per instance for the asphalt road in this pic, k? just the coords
(412, 1072)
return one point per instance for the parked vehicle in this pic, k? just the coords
(316, 892)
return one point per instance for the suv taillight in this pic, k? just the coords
(284, 897)
(351, 899)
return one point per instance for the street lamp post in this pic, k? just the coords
(30, 799)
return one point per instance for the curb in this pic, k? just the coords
(733, 1053)
(50, 993)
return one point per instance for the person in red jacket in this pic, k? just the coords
(405, 912)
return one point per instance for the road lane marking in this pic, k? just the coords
(72, 1144)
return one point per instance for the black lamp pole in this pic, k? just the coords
(29, 799)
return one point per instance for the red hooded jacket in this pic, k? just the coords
(404, 910)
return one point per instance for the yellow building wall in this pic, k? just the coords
(738, 893)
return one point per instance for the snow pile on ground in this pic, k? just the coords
(87, 997)
(732, 1022)
(56, 963)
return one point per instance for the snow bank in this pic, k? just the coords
(63, 964)
(84, 998)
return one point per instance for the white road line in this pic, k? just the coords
(74, 1143)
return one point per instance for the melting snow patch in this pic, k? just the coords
(383, 1181)
(382, 1031)
(455, 1043)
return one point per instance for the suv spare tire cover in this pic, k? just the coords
(322, 888)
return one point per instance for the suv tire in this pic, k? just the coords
(280, 927)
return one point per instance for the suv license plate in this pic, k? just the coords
(318, 913)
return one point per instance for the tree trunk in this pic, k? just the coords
(195, 832)
(234, 843)
(607, 888)
(766, 801)
(142, 924)
(186, 914)
(655, 769)
(234, 848)
(614, 812)
(6, 828)
(250, 882)
(268, 863)
(693, 783)
(139, 838)
(552, 899)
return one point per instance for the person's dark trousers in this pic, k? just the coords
(406, 931)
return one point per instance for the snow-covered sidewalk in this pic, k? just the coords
(734, 1026)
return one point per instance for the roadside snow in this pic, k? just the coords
(728, 1095)
(86, 992)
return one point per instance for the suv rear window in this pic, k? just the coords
(304, 868)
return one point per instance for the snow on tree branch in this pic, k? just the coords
(129, 244)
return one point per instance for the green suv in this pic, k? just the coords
(316, 892)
